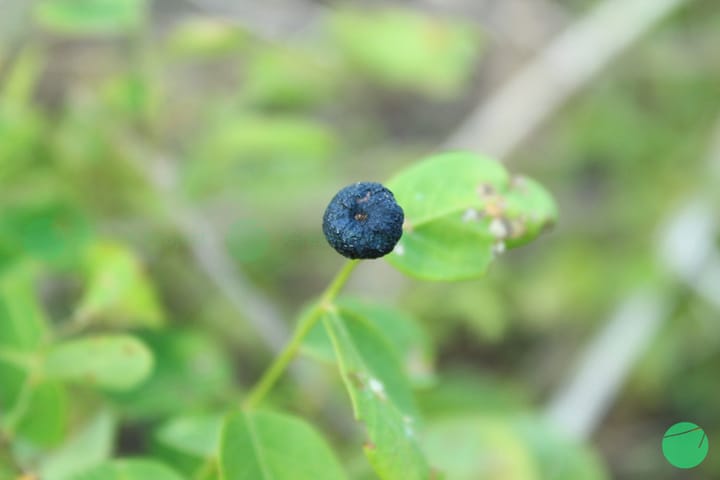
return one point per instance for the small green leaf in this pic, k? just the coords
(22, 321)
(461, 210)
(195, 435)
(205, 37)
(128, 98)
(22, 78)
(445, 184)
(45, 417)
(87, 448)
(52, 232)
(119, 291)
(89, 17)
(261, 445)
(400, 332)
(112, 362)
(129, 469)
(428, 54)
(283, 77)
(181, 358)
(244, 150)
(21, 141)
(38, 411)
(391, 447)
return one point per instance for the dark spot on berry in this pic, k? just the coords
(363, 220)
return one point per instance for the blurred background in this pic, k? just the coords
(164, 166)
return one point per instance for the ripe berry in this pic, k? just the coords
(363, 220)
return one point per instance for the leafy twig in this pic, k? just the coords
(307, 321)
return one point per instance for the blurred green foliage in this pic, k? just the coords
(142, 357)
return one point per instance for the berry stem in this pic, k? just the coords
(305, 324)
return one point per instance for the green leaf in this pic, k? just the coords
(283, 77)
(428, 54)
(22, 78)
(37, 411)
(247, 150)
(403, 333)
(391, 447)
(22, 320)
(89, 17)
(128, 98)
(195, 435)
(112, 362)
(205, 37)
(461, 210)
(87, 448)
(260, 445)
(472, 447)
(130, 469)
(52, 232)
(119, 291)
(6, 470)
(181, 358)
(45, 418)
(21, 137)
(410, 344)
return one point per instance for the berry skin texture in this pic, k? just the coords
(363, 220)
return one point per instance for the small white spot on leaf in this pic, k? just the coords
(399, 249)
(471, 215)
(377, 388)
(498, 228)
(408, 426)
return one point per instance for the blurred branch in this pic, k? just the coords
(210, 253)
(687, 249)
(605, 363)
(270, 21)
(500, 124)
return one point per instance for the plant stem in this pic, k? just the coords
(306, 323)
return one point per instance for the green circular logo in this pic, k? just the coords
(685, 445)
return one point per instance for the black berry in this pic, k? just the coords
(363, 220)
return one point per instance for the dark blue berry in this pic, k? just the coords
(363, 220)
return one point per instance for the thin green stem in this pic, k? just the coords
(306, 323)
